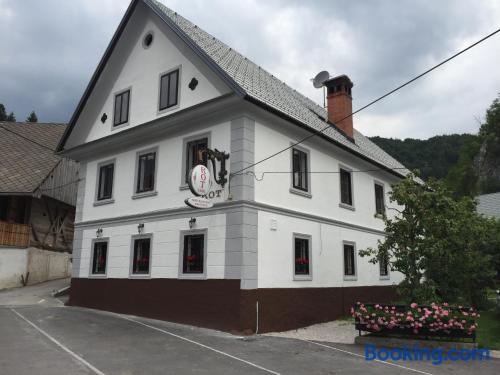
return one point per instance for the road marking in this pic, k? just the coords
(362, 356)
(67, 350)
(200, 344)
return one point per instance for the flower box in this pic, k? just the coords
(436, 320)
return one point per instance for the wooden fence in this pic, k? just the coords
(14, 234)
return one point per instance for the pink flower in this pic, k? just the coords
(446, 312)
(413, 305)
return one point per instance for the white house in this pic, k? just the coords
(277, 248)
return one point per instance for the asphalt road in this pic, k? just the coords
(53, 339)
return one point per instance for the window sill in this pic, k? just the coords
(385, 277)
(302, 278)
(104, 202)
(163, 111)
(140, 276)
(98, 276)
(184, 187)
(192, 276)
(145, 194)
(350, 278)
(116, 127)
(347, 206)
(301, 193)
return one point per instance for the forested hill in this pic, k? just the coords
(433, 157)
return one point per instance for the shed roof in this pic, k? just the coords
(27, 155)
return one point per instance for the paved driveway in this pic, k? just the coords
(49, 339)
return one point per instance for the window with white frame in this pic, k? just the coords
(302, 256)
(146, 169)
(122, 103)
(384, 267)
(195, 155)
(141, 256)
(169, 89)
(105, 181)
(346, 187)
(300, 172)
(349, 260)
(193, 254)
(99, 257)
(379, 199)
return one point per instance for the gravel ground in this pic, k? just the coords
(339, 331)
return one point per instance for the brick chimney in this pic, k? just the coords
(339, 103)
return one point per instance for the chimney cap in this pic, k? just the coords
(339, 79)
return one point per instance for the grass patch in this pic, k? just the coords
(488, 330)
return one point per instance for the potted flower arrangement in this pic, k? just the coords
(439, 320)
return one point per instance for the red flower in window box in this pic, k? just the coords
(143, 261)
(191, 258)
(301, 261)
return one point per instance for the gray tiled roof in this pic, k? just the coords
(27, 154)
(264, 87)
(489, 205)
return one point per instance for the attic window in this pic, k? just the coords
(148, 40)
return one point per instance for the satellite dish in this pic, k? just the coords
(320, 79)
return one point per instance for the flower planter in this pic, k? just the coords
(424, 322)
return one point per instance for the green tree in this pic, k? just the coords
(438, 243)
(32, 117)
(11, 117)
(478, 168)
(3, 113)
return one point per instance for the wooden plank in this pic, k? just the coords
(12, 234)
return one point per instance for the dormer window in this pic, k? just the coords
(169, 89)
(122, 101)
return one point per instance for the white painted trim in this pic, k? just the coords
(193, 276)
(293, 189)
(185, 141)
(131, 261)
(355, 276)
(160, 112)
(99, 275)
(307, 237)
(341, 204)
(125, 124)
(101, 164)
(149, 193)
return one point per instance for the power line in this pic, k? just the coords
(316, 132)
(262, 174)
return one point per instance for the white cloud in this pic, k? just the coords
(49, 53)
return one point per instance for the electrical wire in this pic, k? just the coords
(316, 132)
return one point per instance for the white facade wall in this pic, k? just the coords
(138, 68)
(276, 256)
(166, 247)
(170, 193)
(274, 189)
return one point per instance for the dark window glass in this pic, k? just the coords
(300, 172)
(302, 256)
(105, 187)
(349, 260)
(193, 253)
(345, 187)
(384, 267)
(146, 172)
(169, 84)
(121, 108)
(99, 258)
(193, 157)
(379, 199)
(141, 259)
(4, 207)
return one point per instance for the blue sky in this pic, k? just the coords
(50, 49)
